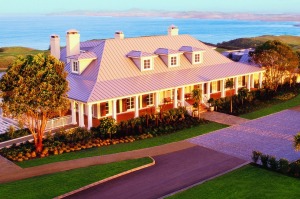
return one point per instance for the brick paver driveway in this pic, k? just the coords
(271, 134)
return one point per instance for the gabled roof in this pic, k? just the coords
(139, 54)
(190, 49)
(166, 51)
(114, 75)
(84, 55)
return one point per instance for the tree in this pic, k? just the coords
(278, 59)
(197, 96)
(229, 84)
(243, 94)
(297, 142)
(34, 89)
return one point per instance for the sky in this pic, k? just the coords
(50, 6)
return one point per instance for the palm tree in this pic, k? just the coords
(197, 96)
(297, 142)
(229, 84)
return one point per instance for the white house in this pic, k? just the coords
(122, 75)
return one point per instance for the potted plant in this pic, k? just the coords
(211, 102)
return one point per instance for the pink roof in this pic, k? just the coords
(114, 75)
(190, 49)
(166, 51)
(135, 53)
(84, 55)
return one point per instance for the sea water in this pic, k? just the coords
(35, 31)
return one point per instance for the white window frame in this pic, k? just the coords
(130, 103)
(172, 64)
(197, 57)
(107, 108)
(75, 65)
(150, 99)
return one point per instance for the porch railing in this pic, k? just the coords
(59, 122)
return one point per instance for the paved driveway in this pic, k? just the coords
(271, 134)
(172, 172)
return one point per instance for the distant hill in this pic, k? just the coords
(252, 42)
(9, 54)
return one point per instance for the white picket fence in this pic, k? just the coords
(58, 122)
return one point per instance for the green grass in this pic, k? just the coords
(156, 141)
(246, 182)
(52, 185)
(273, 108)
(9, 54)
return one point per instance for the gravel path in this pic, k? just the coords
(272, 134)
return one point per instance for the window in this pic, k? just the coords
(242, 81)
(75, 66)
(147, 64)
(150, 99)
(130, 103)
(173, 61)
(197, 58)
(107, 108)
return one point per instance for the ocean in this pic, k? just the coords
(35, 31)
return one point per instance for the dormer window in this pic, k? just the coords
(197, 58)
(174, 61)
(143, 60)
(147, 64)
(75, 66)
(193, 54)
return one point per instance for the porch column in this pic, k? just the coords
(175, 102)
(136, 106)
(98, 111)
(208, 90)
(141, 101)
(222, 85)
(81, 114)
(73, 112)
(249, 82)
(202, 89)
(182, 100)
(114, 109)
(236, 85)
(252, 81)
(156, 99)
(90, 115)
(260, 79)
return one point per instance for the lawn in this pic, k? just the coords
(273, 108)
(49, 186)
(150, 142)
(246, 182)
(9, 54)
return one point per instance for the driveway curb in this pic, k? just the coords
(107, 179)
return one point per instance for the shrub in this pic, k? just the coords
(255, 156)
(264, 160)
(283, 165)
(295, 168)
(273, 163)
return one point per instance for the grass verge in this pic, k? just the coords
(140, 144)
(246, 182)
(273, 108)
(52, 185)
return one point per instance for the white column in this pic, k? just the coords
(141, 101)
(175, 101)
(98, 111)
(252, 81)
(81, 114)
(156, 99)
(249, 82)
(208, 90)
(73, 112)
(236, 85)
(136, 106)
(222, 85)
(182, 100)
(90, 115)
(114, 109)
(202, 89)
(260, 79)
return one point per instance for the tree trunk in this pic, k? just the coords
(231, 104)
(39, 145)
